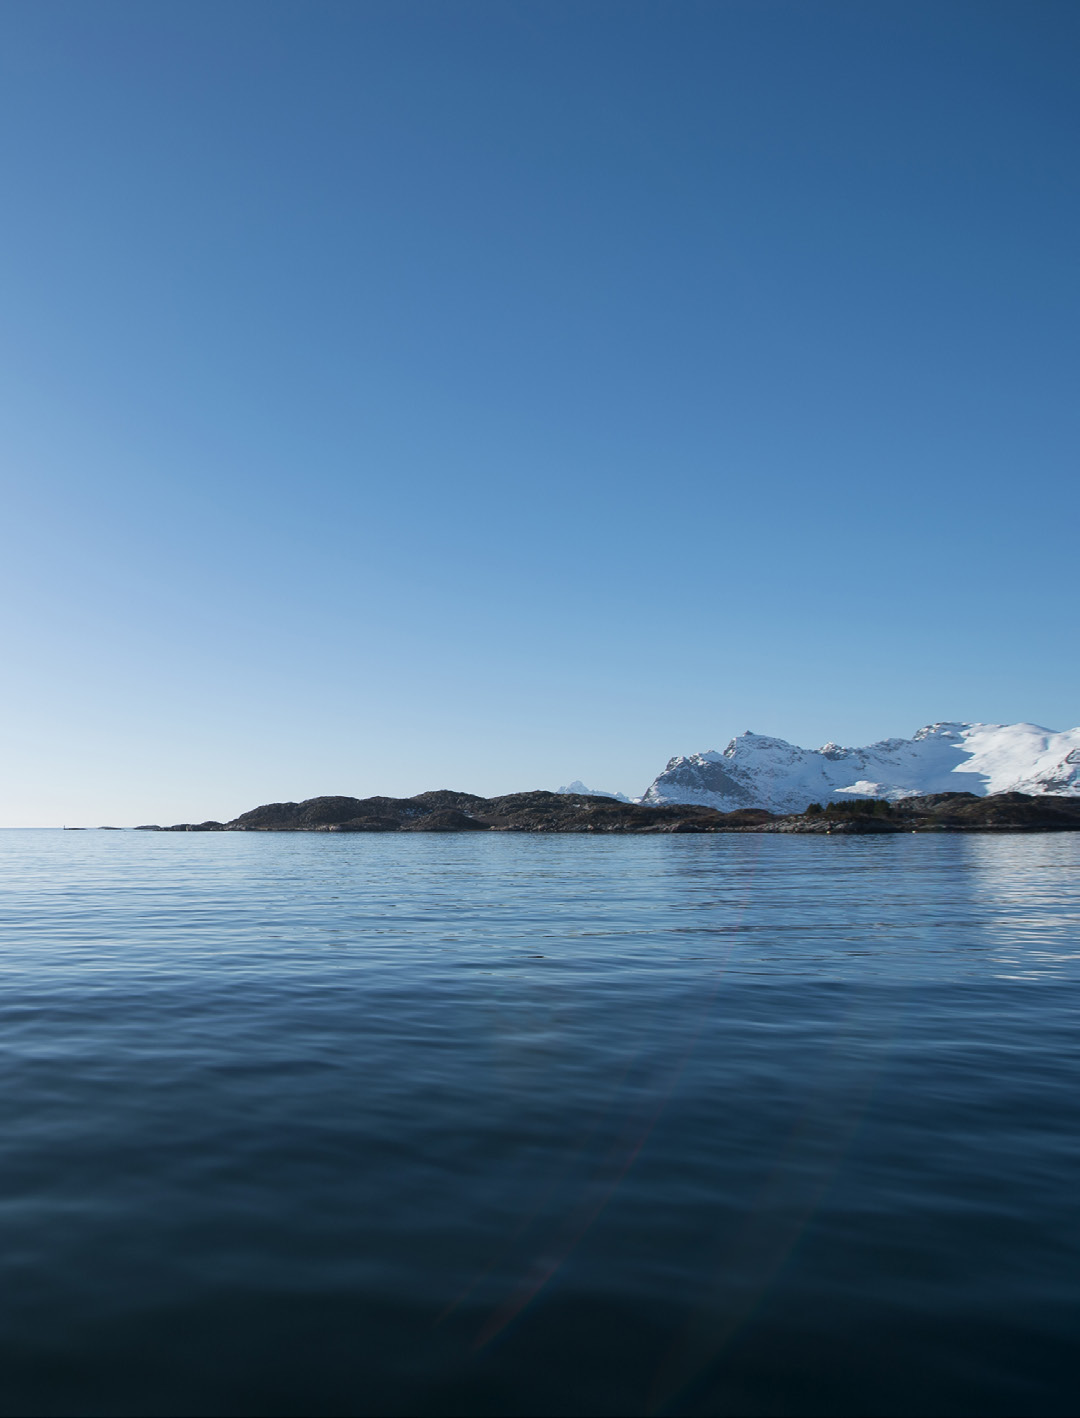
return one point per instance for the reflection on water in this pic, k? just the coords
(521, 1124)
(1026, 893)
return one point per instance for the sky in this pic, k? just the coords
(483, 394)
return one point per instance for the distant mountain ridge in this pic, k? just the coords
(756, 771)
(579, 788)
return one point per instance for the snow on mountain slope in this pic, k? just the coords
(757, 771)
(577, 786)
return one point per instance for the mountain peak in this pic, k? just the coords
(578, 787)
(756, 770)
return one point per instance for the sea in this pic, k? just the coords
(529, 1124)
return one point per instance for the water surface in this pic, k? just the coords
(529, 1124)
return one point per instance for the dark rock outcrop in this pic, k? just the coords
(450, 819)
(941, 812)
(448, 811)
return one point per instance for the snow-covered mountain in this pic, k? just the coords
(756, 771)
(577, 786)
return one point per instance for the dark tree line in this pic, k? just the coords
(857, 807)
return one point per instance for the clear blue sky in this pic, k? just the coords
(404, 395)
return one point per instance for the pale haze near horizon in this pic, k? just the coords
(400, 396)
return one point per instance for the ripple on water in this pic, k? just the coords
(539, 1124)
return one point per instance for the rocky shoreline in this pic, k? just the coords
(447, 811)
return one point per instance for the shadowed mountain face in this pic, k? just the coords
(446, 811)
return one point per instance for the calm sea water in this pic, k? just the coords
(528, 1124)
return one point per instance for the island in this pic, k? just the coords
(447, 811)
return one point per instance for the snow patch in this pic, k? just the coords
(757, 771)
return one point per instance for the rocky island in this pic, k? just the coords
(447, 811)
